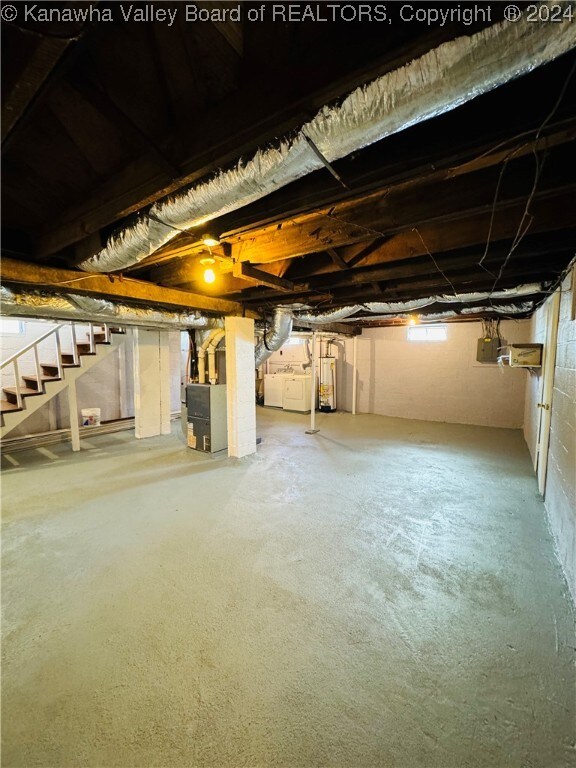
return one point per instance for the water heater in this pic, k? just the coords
(327, 384)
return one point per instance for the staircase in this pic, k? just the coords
(71, 356)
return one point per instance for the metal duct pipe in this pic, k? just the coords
(276, 336)
(214, 342)
(393, 307)
(89, 309)
(321, 318)
(526, 289)
(437, 82)
(202, 350)
(503, 309)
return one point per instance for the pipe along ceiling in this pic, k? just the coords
(437, 82)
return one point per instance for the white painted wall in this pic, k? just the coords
(241, 404)
(560, 491)
(440, 381)
(108, 386)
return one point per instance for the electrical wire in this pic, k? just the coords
(415, 229)
(526, 215)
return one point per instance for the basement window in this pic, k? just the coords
(427, 333)
(10, 327)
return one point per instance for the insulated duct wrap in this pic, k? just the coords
(275, 337)
(89, 309)
(328, 317)
(502, 309)
(394, 307)
(437, 82)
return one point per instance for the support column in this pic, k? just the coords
(151, 383)
(354, 373)
(240, 386)
(73, 410)
(313, 389)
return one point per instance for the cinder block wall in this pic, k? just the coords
(560, 491)
(438, 381)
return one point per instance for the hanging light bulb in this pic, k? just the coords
(209, 274)
(210, 240)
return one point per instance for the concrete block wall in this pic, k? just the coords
(241, 404)
(437, 381)
(560, 490)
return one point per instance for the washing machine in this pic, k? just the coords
(274, 388)
(296, 393)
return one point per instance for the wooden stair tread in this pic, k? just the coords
(6, 406)
(24, 391)
(33, 377)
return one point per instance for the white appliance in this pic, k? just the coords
(274, 388)
(327, 384)
(296, 393)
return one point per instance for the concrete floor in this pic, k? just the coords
(384, 593)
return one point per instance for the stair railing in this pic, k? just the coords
(13, 360)
(33, 345)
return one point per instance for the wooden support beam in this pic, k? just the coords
(231, 31)
(363, 253)
(35, 73)
(550, 213)
(105, 104)
(364, 219)
(115, 288)
(234, 127)
(336, 258)
(247, 272)
(349, 329)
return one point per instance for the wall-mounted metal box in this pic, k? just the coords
(525, 355)
(487, 350)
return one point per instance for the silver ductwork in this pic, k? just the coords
(89, 309)
(394, 307)
(504, 310)
(274, 338)
(501, 309)
(437, 82)
(334, 316)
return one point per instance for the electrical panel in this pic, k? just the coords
(487, 350)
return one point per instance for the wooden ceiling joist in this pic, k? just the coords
(246, 272)
(116, 288)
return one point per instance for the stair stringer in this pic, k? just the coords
(13, 419)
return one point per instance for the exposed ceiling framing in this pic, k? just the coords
(100, 121)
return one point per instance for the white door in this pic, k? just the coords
(545, 404)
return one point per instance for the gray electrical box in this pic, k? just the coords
(487, 350)
(206, 417)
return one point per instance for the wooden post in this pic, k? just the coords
(73, 410)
